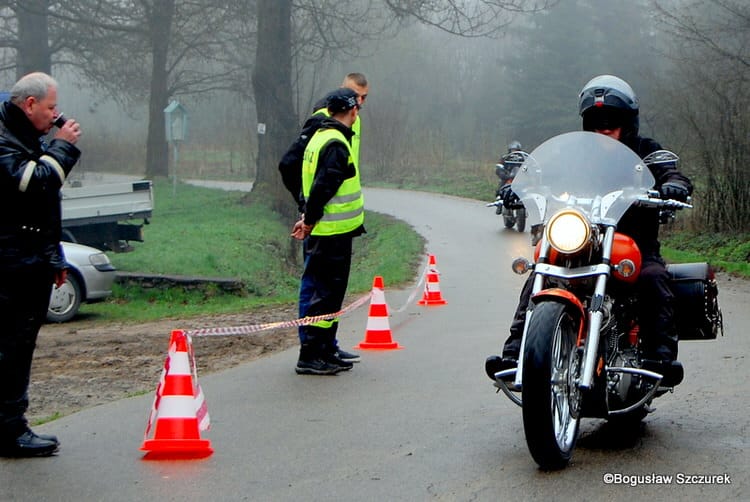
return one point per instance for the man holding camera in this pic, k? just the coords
(31, 258)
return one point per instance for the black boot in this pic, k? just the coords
(331, 357)
(331, 349)
(333, 346)
(313, 361)
(672, 371)
(29, 444)
(494, 364)
(662, 358)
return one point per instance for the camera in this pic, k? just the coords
(60, 121)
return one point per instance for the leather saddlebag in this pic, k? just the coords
(696, 310)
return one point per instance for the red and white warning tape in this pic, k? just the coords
(255, 328)
(415, 291)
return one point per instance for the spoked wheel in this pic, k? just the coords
(551, 400)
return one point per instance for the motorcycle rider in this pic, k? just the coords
(503, 190)
(609, 106)
(514, 146)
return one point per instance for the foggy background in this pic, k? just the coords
(451, 82)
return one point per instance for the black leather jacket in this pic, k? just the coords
(640, 223)
(30, 180)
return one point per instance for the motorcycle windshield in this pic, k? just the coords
(588, 171)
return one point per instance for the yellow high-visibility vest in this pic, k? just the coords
(356, 127)
(346, 209)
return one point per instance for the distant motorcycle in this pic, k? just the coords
(513, 212)
(581, 351)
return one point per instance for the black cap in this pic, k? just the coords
(342, 100)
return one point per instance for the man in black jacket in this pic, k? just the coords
(290, 168)
(31, 258)
(333, 216)
(609, 106)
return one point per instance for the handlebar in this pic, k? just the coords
(649, 201)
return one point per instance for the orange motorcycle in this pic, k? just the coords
(581, 352)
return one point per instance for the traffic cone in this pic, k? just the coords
(432, 294)
(378, 332)
(177, 406)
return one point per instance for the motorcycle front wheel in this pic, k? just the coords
(551, 399)
(509, 221)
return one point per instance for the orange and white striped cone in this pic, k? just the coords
(432, 295)
(179, 408)
(378, 332)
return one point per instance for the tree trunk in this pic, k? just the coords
(33, 52)
(272, 86)
(157, 150)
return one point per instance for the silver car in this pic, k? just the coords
(90, 278)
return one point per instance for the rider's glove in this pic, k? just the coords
(674, 190)
(508, 196)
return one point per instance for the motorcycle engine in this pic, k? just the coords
(620, 353)
(618, 384)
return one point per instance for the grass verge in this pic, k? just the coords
(730, 253)
(208, 232)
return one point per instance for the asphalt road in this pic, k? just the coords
(420, 423)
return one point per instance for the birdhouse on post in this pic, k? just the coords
(176, 123)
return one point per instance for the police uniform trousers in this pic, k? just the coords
(323, 285)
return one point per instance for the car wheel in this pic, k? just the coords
(65, 300)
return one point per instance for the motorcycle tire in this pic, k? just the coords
(509, 221)
(551, 400)
(521, 222)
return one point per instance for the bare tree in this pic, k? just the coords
(25, 38)
(712, 51)
(340, 26)
(135, 50)
(33, 50)
(272, 84)
(150, 49)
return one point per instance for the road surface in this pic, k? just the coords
(420, 423)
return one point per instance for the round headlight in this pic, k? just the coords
(568, 231)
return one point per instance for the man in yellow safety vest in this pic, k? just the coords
(333, 216)
(290, 168)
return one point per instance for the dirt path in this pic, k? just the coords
(85, 363)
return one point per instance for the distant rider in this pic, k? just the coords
(506, 170)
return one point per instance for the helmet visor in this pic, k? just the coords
(607, 98)
(604, 118)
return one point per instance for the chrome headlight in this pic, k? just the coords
(568, 231)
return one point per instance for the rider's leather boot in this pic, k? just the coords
(493, 364)
(671, 370)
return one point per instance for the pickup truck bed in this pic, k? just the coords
(94, 214)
